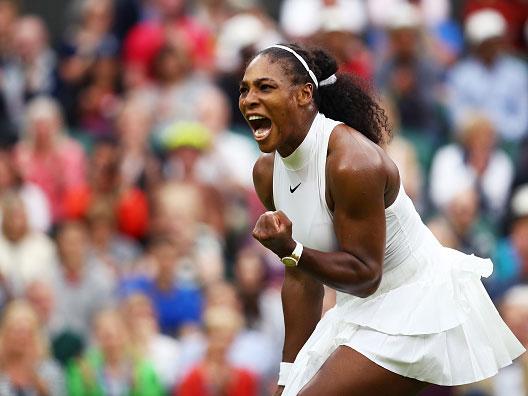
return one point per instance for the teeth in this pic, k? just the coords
(255, 117)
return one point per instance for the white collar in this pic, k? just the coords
(302, 154)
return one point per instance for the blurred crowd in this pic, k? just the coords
(127, 265)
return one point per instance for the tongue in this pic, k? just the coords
(262, 133)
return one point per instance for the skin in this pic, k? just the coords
(359, 225)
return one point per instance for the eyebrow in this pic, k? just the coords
(259, 80)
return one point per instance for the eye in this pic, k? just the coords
(265, 87)
(243, 90)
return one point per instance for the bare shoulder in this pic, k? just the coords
(263, 179)
(357, 166)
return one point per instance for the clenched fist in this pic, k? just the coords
(274, 231)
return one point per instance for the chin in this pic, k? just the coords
(267, 147)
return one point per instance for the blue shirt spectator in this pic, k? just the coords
(178, 305)
(499, 90)
(507, 269)
(490, 80)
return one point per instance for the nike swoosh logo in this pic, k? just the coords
(292, 190)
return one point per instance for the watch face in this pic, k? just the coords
(289, 261)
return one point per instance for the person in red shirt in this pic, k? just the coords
(145, 39)
(215, 375)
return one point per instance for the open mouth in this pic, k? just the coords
(261, 126)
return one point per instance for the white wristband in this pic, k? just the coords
(284, 373)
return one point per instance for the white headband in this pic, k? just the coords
(311, 73)
(327, 81)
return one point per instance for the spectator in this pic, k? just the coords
(215, 375)
(87, 51)
(34, 199)
(25, 367)
(303, 18)
(8, 118)
(260, 302)
(129, 204)
(185, 144)
(183, 212)
(41, 296)
(514, 12)
(109, 368)
(169, 22)
(8, 15)
(82, 284)
(410, 77)
(30, 71)
(470, 232)
(489, 80)
(161, 350)
(47, 156)
(511, 256)
(432, 12)
(139, 166)
(252, 349)
(90, 35)
(476, 163)
(344, 41)
(25, 254)
(117, 251)
(521, 169)
(178, 87)
(213, 14)
(177, 303)
(99, 101)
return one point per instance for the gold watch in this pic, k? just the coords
(293, 259)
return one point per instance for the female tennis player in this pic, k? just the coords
(409, 312)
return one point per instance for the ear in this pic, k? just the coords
(305, 94)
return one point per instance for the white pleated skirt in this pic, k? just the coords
(431, 319)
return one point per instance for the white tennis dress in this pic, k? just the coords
(430, 319)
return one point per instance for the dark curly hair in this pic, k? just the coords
(347, 100)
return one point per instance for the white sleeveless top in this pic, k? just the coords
(430, 299)
(304, 173)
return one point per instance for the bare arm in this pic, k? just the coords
(361, 181)
(302, 295)
(360, 178)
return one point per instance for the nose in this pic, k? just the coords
(249, 100)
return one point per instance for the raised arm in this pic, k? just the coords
(360, 181)
(302, 294)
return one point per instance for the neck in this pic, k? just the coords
(43, 147)
(14, 359)
(164, 281)
(216, 357)
(73, 272)
(14, 237)
(300, 128)
(113, 357)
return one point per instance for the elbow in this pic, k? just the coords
(368, 286)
